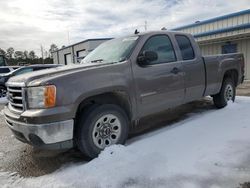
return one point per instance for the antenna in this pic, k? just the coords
(136, 32)
(145, 25)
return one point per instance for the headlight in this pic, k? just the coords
(42, 96)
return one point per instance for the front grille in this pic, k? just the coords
(15, 97)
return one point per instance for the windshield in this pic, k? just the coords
(20, 70)
(115, 50)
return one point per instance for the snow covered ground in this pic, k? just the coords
(207, 149)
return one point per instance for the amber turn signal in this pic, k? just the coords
(50, 96)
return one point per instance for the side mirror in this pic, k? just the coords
(147, 57)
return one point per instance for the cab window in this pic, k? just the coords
(162, 45)
(185, 46)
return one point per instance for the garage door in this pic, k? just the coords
(68, 59)
(80, 55)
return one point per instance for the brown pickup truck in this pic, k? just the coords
(92, 105)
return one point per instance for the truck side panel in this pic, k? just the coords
(217, 66)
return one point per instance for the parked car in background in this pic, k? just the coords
(94, 105)
(14, 71)
(7, 69)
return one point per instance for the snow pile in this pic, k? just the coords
(209, 149)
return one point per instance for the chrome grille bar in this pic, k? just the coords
(15, 97)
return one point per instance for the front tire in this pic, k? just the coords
(99, 127)
(227, 93)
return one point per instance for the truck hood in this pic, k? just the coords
(37, 77)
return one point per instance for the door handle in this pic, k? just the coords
(175, 70)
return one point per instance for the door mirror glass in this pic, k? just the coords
(147, 57)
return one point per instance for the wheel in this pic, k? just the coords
(99, 127)
(226, 93)
(2, 91)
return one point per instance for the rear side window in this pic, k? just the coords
(185, 46)
(4, 70)
(162, 45)
(39, 68)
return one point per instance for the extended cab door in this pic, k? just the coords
(159, 83)
(193, 67)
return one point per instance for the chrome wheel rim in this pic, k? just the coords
(107, 131)
(229, 93)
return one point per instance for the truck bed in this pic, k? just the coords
(215, 67)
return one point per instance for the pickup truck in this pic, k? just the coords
(94, 105)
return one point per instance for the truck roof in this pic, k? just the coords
(159, 32)
(41, 65)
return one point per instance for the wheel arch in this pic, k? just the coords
(118, 97)
(233, 74)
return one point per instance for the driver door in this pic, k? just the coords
(159, 83)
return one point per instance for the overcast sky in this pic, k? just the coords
(27, 24)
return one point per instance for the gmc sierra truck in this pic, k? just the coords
(93, 105)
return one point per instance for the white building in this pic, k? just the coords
(225, 34)
(74, 53)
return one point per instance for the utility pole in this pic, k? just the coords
(42, 53)
(145, 25)
(46, 53)
(68, 38)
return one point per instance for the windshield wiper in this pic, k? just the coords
(97, 60)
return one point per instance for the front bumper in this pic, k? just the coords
(56, 135)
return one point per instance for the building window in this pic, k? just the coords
(229, 48)
(185, 46)
(81, 54)
(68, 59)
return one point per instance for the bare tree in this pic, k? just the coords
(2, 52)
(26, 54)
(32, 55)
(53, 48)
(19, 55)
(10, 52)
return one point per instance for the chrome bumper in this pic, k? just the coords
(42, 134)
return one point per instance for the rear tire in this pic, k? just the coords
(99, 127)
(226, 93)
